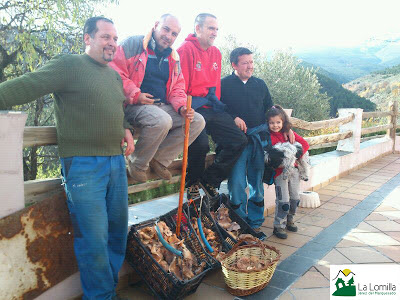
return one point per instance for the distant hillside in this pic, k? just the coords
(380, 87)
(337, 77)
(342, 98)
(347, 64)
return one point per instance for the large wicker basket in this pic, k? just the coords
(247, 282)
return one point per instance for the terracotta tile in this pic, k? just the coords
(294, 240)
(336, 207)
(376, 217)
(384, 207)
(356, 177)
(364, 227)
(371, 183)
(316, 293)
(205, 291)
(269, 222)
(267, 231)
(308, 230)
(390, 215)
(324, 198)
(375, 179)
(394, 234)
(327, 213)
(380, 177)
(350, 241)
(393, 252)
(336, 187)
(364, 187)
(385, 225)
(374, 238)
(334, 257)
(358, 191)
(363, 173)
(344, 201)
(323, 267)
(360, 255)
(325, 191)
(215, 278)
(316, 220)
(344, 183)
(287, 296)
(352, 196)
(285, 250)
(139, 291)
(311, 279)
(304, 210)
(340, 182)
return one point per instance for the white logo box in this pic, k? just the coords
(366, 281)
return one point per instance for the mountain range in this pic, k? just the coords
(346, 64)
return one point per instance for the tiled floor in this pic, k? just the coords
(358, 222)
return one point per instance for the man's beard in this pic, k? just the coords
(108, 57)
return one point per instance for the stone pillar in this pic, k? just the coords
(12, 126)
(351, 144)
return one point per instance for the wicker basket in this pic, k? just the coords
(247, 282)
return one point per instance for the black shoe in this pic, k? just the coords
(210, 191)
(280, 233)
(193, 191)
(291, 227)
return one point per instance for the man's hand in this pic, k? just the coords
(130, 145)
(289, 136)
(187, 113)
(145, 99)
(241, 124)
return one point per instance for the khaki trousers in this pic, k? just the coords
(162, 132)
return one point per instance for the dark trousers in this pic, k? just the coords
(230, 142)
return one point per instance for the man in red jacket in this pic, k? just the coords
(201, 68)
(155, 98)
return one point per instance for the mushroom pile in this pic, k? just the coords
(250, 263)
(211, 239)
(184, 268)
(222, 218)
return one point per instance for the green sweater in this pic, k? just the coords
(88, 103)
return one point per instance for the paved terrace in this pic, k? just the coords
(358, 222)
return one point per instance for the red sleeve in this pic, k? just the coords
(121, 65)
(186, 58)
(218, 87)
(177, 96)
(302, 141)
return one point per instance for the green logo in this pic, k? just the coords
(344, 282)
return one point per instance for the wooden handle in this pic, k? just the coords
(184, 164)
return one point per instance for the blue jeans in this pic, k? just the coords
(245, 171)
(97, 197)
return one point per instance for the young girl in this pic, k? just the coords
(287, 191)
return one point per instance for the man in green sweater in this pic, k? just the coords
(90, 133)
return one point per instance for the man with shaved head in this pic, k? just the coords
(155, 98)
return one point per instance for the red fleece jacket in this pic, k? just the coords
(201, 68)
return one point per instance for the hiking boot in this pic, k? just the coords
(135, 173)
(291, 226)
(160, 170)
(280, 233)
(193, 191)
(210, 191)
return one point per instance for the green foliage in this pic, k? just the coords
(390, 71)
(342, 98)
(290, 84)
(164, 190)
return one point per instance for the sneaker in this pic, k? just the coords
(160, 170)
(135, 173)
(208, 189)
(280, 233)
(193, 191)
(291, 227)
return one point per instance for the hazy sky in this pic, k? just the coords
(280, 24)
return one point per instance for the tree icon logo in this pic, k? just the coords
(344, 282)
